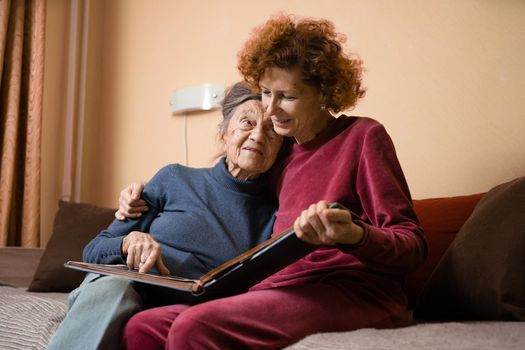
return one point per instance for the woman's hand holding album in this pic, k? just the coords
(322, 225)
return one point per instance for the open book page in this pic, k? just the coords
(175, 282)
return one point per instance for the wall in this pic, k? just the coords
(445, 78)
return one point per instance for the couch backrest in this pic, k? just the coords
(17, 265)
(441, 219)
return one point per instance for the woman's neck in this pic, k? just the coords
(317, 127)
(241, 174)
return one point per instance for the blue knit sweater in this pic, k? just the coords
(200, 217)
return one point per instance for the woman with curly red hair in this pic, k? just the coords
(354, 278)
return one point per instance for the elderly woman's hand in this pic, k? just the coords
(320, 224)
(130, 204)
(143, 252)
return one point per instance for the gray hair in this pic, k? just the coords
(235, 96)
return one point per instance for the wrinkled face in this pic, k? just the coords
(295, 107)
(250, 142)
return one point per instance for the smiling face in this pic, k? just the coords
(294, 107)
(250, 142)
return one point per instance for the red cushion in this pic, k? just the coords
(441, 219)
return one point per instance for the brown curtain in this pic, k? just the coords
(22, 26)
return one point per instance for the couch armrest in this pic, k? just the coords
(18, 265)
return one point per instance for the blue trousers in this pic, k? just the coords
(98, 311)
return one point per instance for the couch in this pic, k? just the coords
(469, 294)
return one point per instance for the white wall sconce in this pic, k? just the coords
(199, 98)
(203, 97)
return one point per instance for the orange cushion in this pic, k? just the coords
(482, 273)
(441, 219)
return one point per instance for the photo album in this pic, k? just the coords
(232, 277)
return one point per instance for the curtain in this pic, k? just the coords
(22, 27)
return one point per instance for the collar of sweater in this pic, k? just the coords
(221, 174)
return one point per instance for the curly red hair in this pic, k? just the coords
(315, 48)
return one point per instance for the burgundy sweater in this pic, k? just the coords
(353, 162)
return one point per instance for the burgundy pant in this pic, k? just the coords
(266, 319)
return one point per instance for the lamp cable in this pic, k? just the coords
(185, 139)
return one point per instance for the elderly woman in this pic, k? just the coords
(355, 278)
(198, 218)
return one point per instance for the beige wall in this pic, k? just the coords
(53, 112)
(446, 78)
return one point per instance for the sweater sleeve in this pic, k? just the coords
(105, 248)
(393, 241)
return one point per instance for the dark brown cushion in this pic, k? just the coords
(482, 274)
(441, 219)
(75, 225)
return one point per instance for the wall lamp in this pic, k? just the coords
(203, 97)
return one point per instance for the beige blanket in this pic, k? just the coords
(427, 336)
(28, 320)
